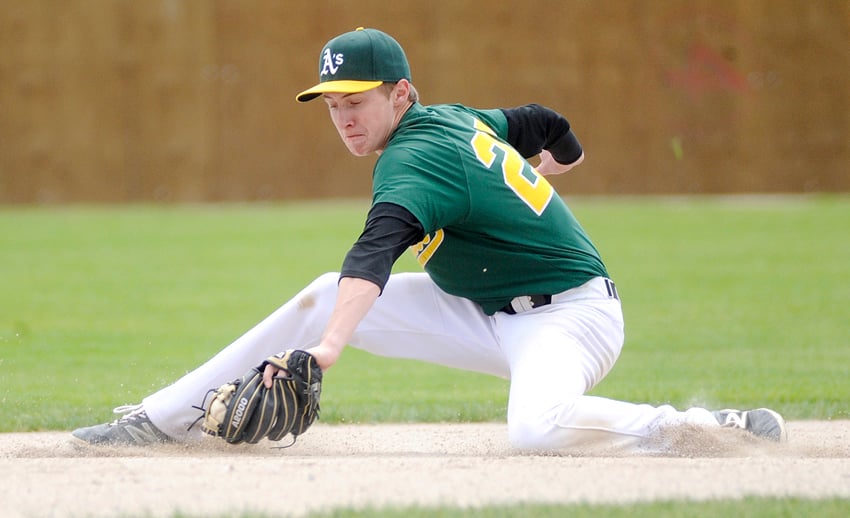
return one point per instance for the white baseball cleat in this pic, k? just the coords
(761, 422)
(134, 428)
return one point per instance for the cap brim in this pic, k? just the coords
(336, 87)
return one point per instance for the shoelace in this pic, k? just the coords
(129, 411)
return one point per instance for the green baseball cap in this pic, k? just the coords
(358, 61)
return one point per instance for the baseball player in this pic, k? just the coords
(512, 284)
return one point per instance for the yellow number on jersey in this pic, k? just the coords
(424, 249)
(523, 179)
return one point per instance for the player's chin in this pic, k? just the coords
(358, 146)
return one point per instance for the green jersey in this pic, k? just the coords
(495, 228)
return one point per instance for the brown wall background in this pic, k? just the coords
(193, 100)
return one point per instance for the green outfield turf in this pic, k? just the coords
(728, 302)
(748, 507)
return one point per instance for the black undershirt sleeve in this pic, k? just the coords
(533, 128)
(390, 229)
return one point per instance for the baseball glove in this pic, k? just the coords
(244, 410)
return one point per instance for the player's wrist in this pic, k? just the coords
(326, 354)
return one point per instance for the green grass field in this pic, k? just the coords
(728, 301)
(747, 508)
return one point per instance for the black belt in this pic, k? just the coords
(528, 302)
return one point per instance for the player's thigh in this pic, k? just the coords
(414, 319)
(558, 353)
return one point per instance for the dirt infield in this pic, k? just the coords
(464, 465)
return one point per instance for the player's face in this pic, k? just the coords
(364, 120)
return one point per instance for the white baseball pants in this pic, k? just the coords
(552, 355)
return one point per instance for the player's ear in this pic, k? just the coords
(401, 92)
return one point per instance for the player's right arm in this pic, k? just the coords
(355, 298)
(390, 230)
(535, 129)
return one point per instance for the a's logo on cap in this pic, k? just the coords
(331, 62)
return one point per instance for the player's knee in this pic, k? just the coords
(541, 429)
(529, 432)
(318, 297)
(323, 283)
(322, 290)
(523, 435)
